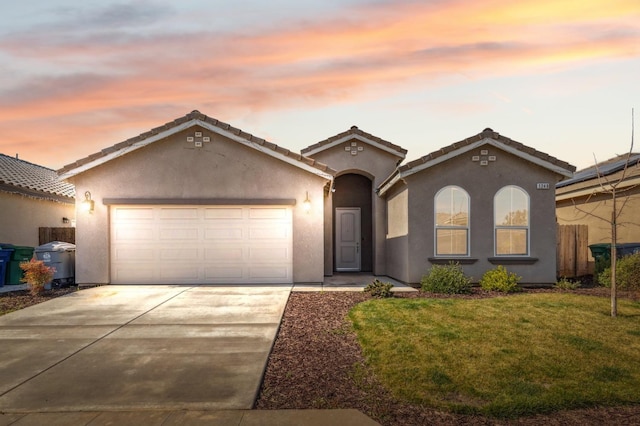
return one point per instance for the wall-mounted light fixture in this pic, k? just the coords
(65, 220)
(87, 204)
(306, 204)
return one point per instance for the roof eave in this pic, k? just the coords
(567, 193)
(183, 126)
(349, 137)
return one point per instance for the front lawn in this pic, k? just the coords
(505, 356)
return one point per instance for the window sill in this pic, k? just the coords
(447, 260)
(511, 260)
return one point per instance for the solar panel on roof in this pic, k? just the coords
(604, 169)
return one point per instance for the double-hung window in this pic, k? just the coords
(452, 222)
(511, 219)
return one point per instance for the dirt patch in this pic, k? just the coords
(316, 362)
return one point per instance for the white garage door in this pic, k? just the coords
(201, 244)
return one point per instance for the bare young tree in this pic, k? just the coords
(612, 188)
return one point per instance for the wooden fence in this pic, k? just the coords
(46, 235)
(573, 250)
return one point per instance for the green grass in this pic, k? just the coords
(505, 356)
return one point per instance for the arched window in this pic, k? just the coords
(511, 219)
(452, 222)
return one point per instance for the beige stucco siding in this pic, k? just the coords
(596, 214)
(398, 215)
(482, 183)
(222, 169)
(21, 216)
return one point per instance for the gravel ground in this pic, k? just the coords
(316, 362)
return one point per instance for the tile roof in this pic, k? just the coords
(488, 135)
(30, 179)
(354, 131)
(198, 119)
(606, 168)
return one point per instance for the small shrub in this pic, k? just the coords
(379, 289)
(627, 273)
(566, 284)
(36, 275)
(448, 279)
(499, 279)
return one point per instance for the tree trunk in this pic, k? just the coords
(614, 256)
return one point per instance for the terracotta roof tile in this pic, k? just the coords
(406, 169)
(27, 176)
(355, 131)
(194, 115)
(487, 133)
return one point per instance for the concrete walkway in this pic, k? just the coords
(351, 281)
(146, 355)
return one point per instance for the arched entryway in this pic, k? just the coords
(352, 223)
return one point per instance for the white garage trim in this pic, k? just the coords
(196, 244)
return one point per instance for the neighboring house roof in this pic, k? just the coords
(355, 133)
(487, 136)
(196, 118)
(590, 180)
(24, 178)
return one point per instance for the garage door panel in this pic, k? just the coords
(229, 254)
(219, 274)
(134, 274)
(224, 233)
(176, 273)
(269, 233)
(133, 254)
(269, 273)
(223, 213)
(201, 244)
(183, 234)
(268, 255)
(133, 234)
(268, 213)
(137, 213)
(178, 213)
(179, 254)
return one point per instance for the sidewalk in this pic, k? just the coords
(180, 417)
(351, 281)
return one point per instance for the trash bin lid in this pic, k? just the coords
(58, 246)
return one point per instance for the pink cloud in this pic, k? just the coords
(106, 83)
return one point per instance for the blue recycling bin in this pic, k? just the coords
(5, 257)
(627, 248)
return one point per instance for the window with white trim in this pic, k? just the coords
(452, 222)
(511, 219)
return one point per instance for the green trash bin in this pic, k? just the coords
(602, 255)
(20, 254)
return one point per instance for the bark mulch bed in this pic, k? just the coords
(15, 300)
(316, 363)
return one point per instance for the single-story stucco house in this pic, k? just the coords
(586, 199)
(198, 201)
(31, 197)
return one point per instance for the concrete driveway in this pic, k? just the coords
(139, 347)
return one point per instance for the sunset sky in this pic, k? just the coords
(558, 75)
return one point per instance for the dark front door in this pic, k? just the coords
(348, 239)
